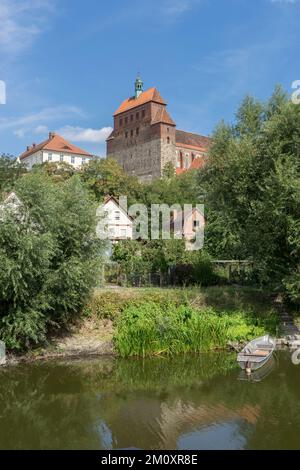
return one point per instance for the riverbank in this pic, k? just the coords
(96, 330)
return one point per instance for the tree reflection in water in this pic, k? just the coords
(159, 403)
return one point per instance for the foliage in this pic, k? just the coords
(49, 256)
(10, 171)
(105, 177)
(151, 329)
(59, 171)
(252, 190)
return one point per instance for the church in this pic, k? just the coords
(144, 137)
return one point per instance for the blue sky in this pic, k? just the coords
(67, 64)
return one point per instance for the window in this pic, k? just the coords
(50, 157)
(117, 215)
(126, 120)
(123, 233)
(143, 113)
(137, 131)
(168, 140)
(112, 231)
(137, 116)
(126, 135)
(131, 117)
(120, 122)
(73, 160)
(83, 161)
(61, 158)
(196, 223)
(168, 130)
(131, 132)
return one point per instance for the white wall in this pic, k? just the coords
(43, 156)
(34, 159)
(72, 159)
(117, 223)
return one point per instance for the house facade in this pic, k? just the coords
(187, 224)
(55, 149)
(144, 137)
(116, 224)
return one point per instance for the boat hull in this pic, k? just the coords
(256, 354)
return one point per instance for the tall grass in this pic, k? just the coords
(149, 328)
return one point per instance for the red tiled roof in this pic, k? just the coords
(56, 143)
(194, 141)
(162, 115)
(149, 95)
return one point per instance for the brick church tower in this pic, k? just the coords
(144, 138)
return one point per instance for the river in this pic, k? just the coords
(186, 402)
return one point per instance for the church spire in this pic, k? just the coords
(138, 86)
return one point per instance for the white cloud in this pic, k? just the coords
(20, 133)
(174, 8)
(21, 22)
(41, 129)
(43, 116)
(80, 134)
(283, 1)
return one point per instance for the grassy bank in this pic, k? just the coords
(172, 321)
(152, 321)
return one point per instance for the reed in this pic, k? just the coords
(154, 329)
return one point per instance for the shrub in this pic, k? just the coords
(105, 305)
(49, 256)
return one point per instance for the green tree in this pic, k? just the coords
(251, 186)
(49, 257)
(105, 177)
(10, 171)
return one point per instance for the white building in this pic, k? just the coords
(117, 224)
(55, 149)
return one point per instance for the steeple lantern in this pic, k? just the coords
(139, 86)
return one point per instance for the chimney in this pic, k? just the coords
(33, 145)
(28, 148)
(51, 135)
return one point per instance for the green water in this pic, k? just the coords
(192, 402)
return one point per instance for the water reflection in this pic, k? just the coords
(192, 402)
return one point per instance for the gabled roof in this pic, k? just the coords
(149, 95)
(56, 143)
(112, 198)
(187, 139)
(163, 116)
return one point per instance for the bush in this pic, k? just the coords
(292, 287)
(106, 305)
(49, 256)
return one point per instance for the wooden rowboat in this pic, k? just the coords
(256, 353)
